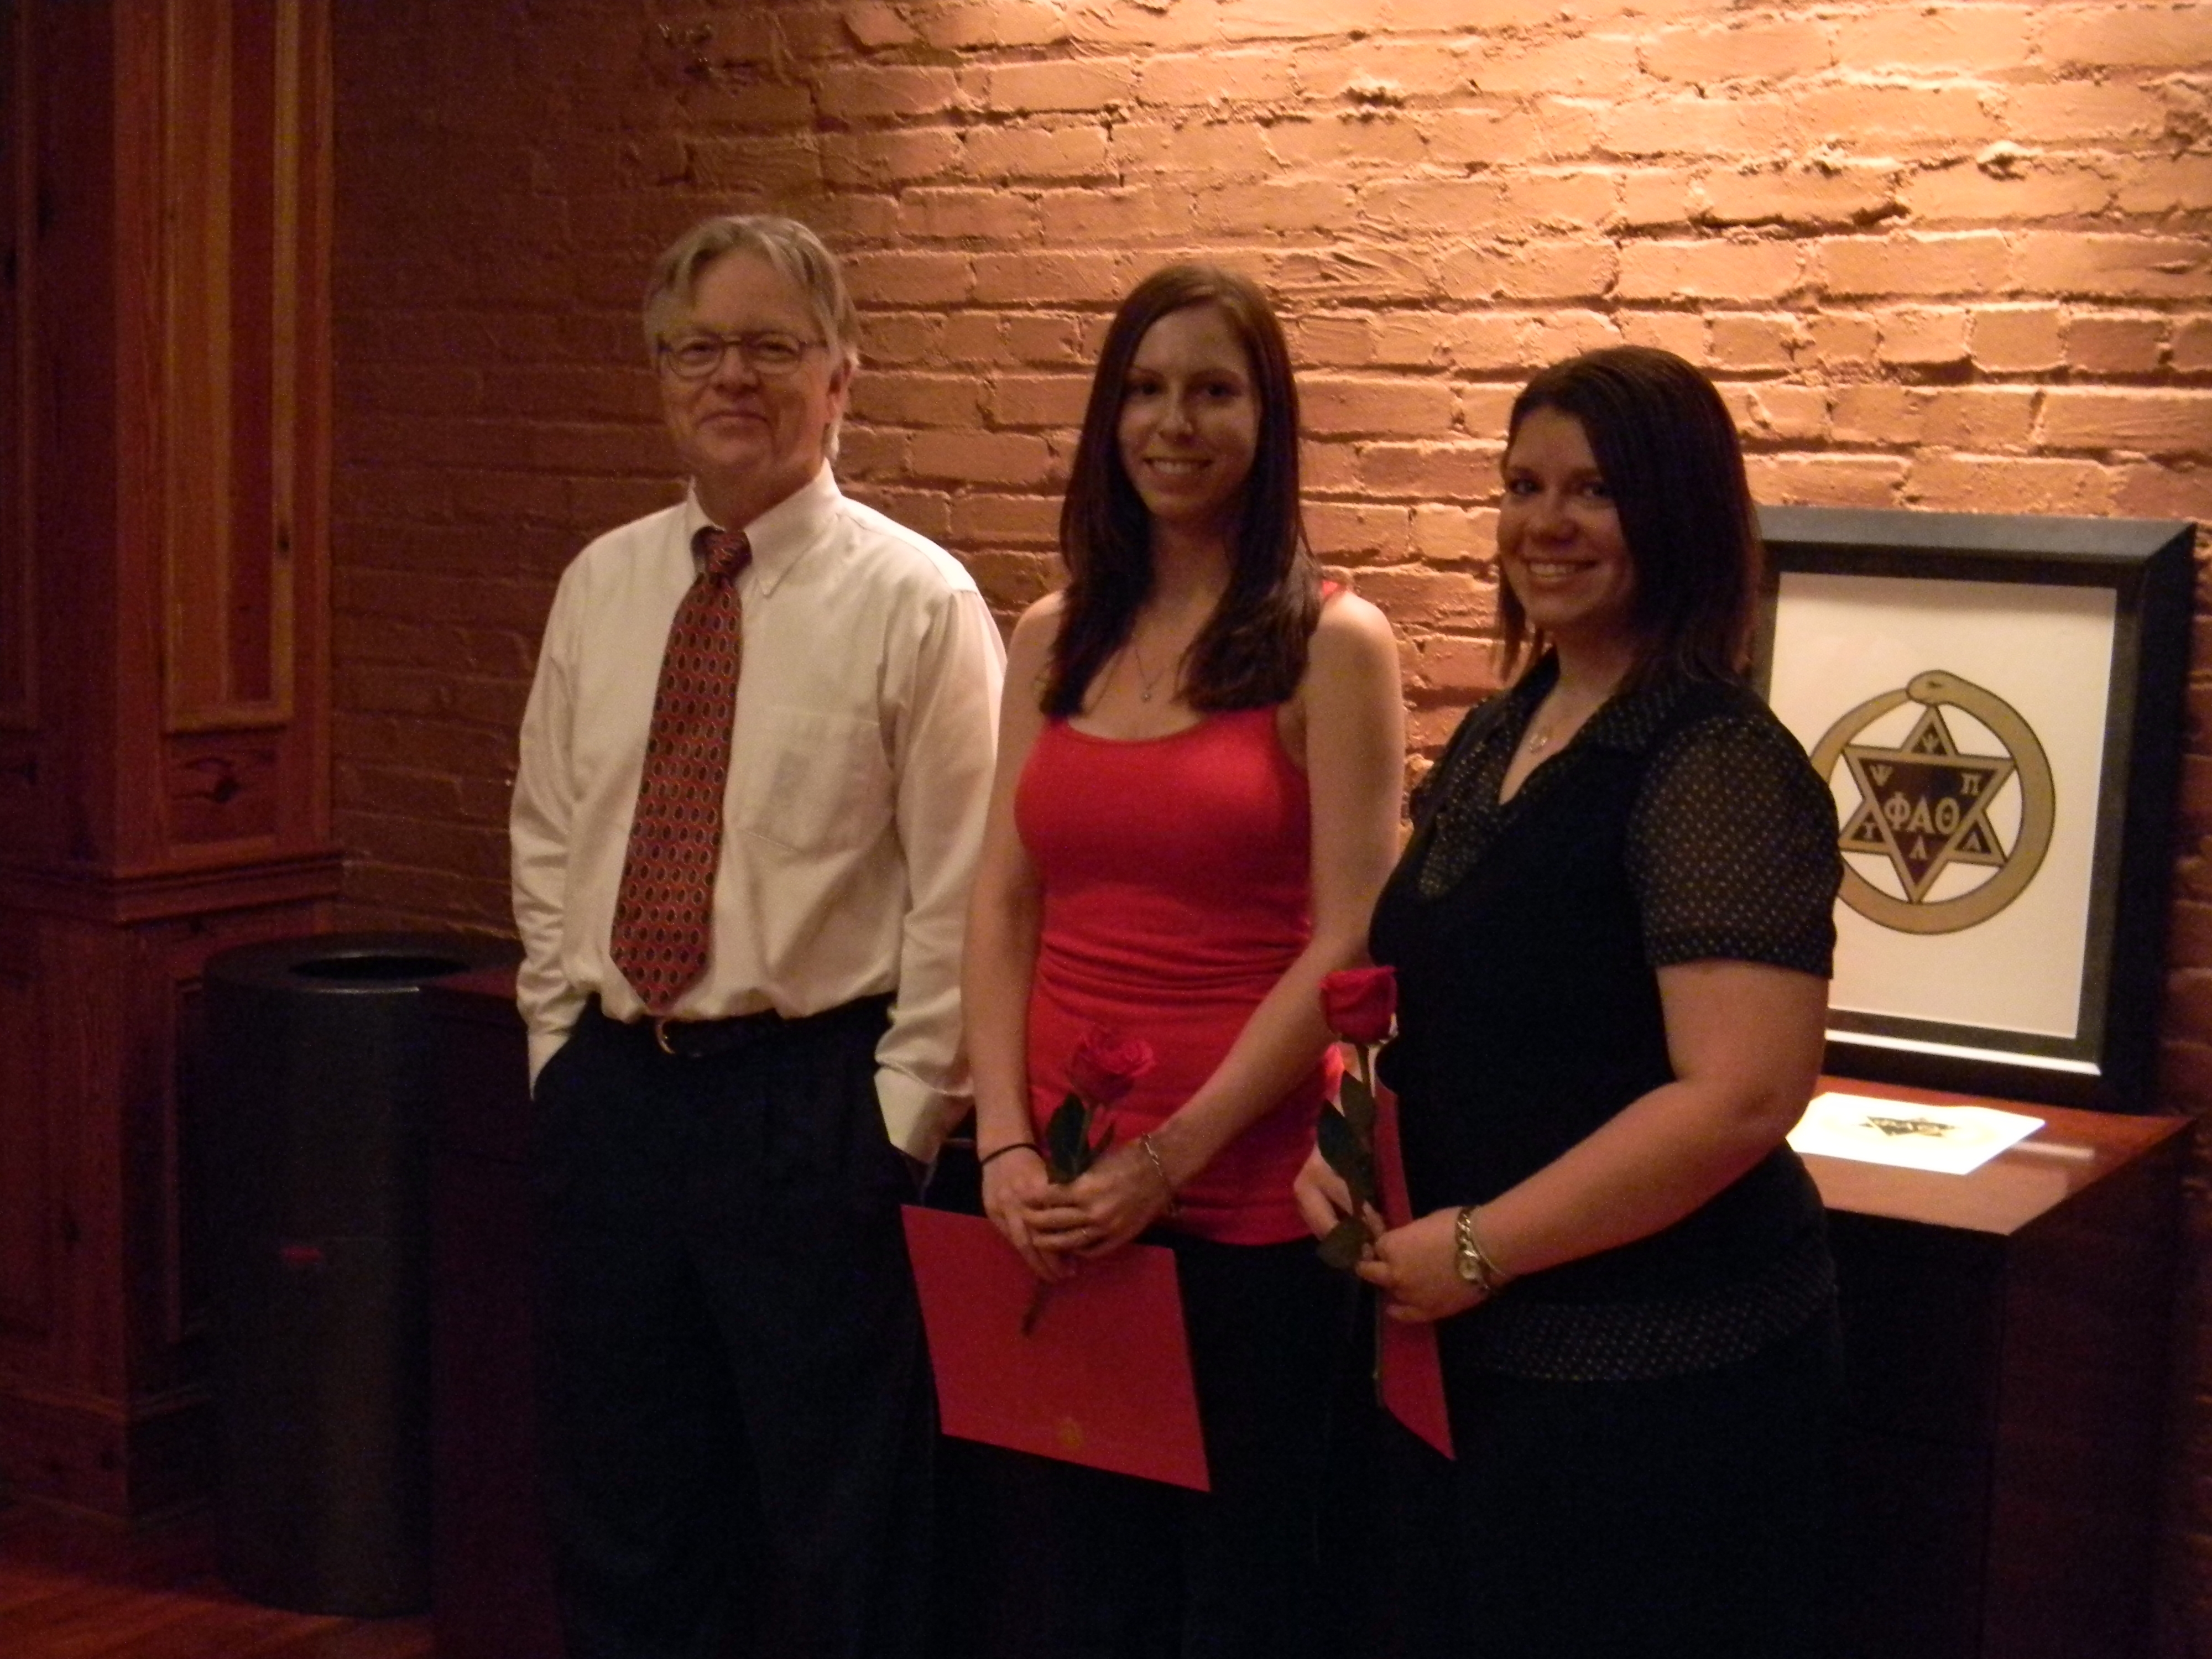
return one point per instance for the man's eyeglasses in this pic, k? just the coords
(694, 356)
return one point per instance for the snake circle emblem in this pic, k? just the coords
(1925, 805)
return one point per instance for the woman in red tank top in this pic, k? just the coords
(1196, 804)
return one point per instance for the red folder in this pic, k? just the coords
(1103, 1377)
(1409, 1375)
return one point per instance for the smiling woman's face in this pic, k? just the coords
(1190, 419)
(749, 440)
(1559, 535)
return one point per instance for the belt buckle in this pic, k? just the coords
(660, 1024)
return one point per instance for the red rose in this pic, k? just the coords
(1359, 1003)
(1106, 1064)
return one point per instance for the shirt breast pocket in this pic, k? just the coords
(810, 781)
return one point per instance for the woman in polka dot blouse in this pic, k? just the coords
(1613, 931)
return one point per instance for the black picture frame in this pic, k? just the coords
(2148, 567)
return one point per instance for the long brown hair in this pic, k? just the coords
(1664, 440)
(1252, 652)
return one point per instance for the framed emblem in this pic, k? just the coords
(1996, 704)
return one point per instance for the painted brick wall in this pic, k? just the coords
(1948, 257)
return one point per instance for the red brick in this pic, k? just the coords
(1279, 20)
(2075, 109)
(2162, 185)
(2182, 489)
(1068, 84)
(1485, 340)
(899, 337)
(1976, 483)
(905, 399)
(1008, 154)
(996, 458)
(883, 159)
(1000, 520)
(973, 336)
(925, 512)
(1294, 205)
(1679, 332)
(1484, 411)
(1924, 338)
(1428, 729)
(1972, 263)
(1428, 471)
(990, 23)
(1542, 129)
(1430, 207)
(1346, 146)
(1825, 480)
(1050, 278)
(1335, 341)
(1329, 468)
(1980, 417)
(1777, 413)
(1817, 197)
(884, 91)
(1416, 598)
(909, 278)
(1456, 535)
(1347, 533)
(1348, 272)
(2162, 37)
(1092, 217)
(874, 24)
(1712, 270)
(1878, 413)
(1740, 340)
(966, 212)
(2017, 339)
(1563, 332)
(1143, 28)
(2157, 422)
(1579, 66)
(2115, 343)
(1760, 49)
(1039, 399)
(1453, 665)
(1898, 119)
(1655, 197)
(1975, 39)
(1215, 78)
(1210, 152)
(2114, 266)
(1560, 269)
(1581, 200)
(2192, 345)
(1696, 126)
(2033, 190)
(1339, 404)
(1043, 339)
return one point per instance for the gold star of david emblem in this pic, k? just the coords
(1925, 805)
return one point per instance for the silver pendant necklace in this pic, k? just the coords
(1146, 684)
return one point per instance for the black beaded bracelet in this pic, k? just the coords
(1010, 1147)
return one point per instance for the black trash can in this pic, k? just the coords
(320, 1063)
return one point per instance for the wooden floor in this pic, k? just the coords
(79, 1589)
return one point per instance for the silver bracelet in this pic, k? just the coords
(1472, 1262)
(1159, 1170)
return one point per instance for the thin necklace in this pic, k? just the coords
(1147, 683)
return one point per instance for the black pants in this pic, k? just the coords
(1107, 1566)
(1686, 1516)
(735, 1398)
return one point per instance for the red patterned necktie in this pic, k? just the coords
(664, 912)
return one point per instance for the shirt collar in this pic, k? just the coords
(783, 535)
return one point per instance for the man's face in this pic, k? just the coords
(749, 439)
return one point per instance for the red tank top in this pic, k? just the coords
(1176, 885)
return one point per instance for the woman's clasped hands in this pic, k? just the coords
(1053, 1226)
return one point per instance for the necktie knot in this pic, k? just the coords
(723, 553)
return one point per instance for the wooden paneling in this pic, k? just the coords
(164, 192)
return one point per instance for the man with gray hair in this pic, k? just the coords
(751, 787)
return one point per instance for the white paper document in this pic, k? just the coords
(1947, 1140)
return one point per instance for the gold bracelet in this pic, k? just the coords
(1159, 1170)
(1475, 1267)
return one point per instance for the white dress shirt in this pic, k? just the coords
(860, 766)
